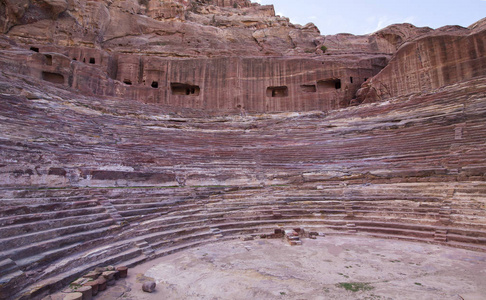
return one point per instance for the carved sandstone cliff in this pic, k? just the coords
(440, 58)
(133, 129)
(221, 56)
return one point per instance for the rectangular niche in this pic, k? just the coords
(308, 88)
(277, 91)
(184, 89)
(48, 59)
(328, 84)
(53, 77)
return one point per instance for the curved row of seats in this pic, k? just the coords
(413, 169)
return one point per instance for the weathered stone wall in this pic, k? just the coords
(446, 57)
(152, 114)
(231, 83)
(76, 170)
(223, 84)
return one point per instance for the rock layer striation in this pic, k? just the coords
(134, 129)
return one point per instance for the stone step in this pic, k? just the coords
(6, 211)
(183, 246)
(402, 225)
(466, 245)
(395, 236)
(21, 201)
(35, 237)
(12, 279)
(147, 228)
(142, 244)
(195, 236)
(351, 228)
(265, 228)
(207, 219)
(28, 218)
(30, 262)
(148, 251)
(264, 222)
(295, 242)
(38, 226)
(8, 266)
(467, 239)
(157, 204)
(397, 231)
(58, 281)
(215, 231)
(84, 257)
(55, 243)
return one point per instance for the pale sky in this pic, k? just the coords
(367, 16)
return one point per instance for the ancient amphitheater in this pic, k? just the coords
(134, 129)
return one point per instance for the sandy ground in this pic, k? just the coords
(271, 269)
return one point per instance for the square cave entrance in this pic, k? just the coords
(184, 89)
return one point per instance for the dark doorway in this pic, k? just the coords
(277, 91)
(53, 77)
(184, 89)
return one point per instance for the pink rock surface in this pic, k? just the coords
(135, 129)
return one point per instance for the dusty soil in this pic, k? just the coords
(319, 269)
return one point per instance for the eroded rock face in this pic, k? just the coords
(222, 56)
(149, 114)
(443, 57)
(227, 56)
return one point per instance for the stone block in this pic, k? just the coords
(94, 286)
(92, 275)
(148, 286)
(101, 283)
(86, 291)
(109, 275)
(74, 296)
(123, 271)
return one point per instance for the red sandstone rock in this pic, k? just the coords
(123, 271)
(94, 286)
(92, 275)
(74, 296)
(148, 286)
(440, 58)
(169, 46)
(86, 291)
(101, 105)
(101, 284)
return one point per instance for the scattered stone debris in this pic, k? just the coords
(292, 236)
(148, 286)
(92, 283)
